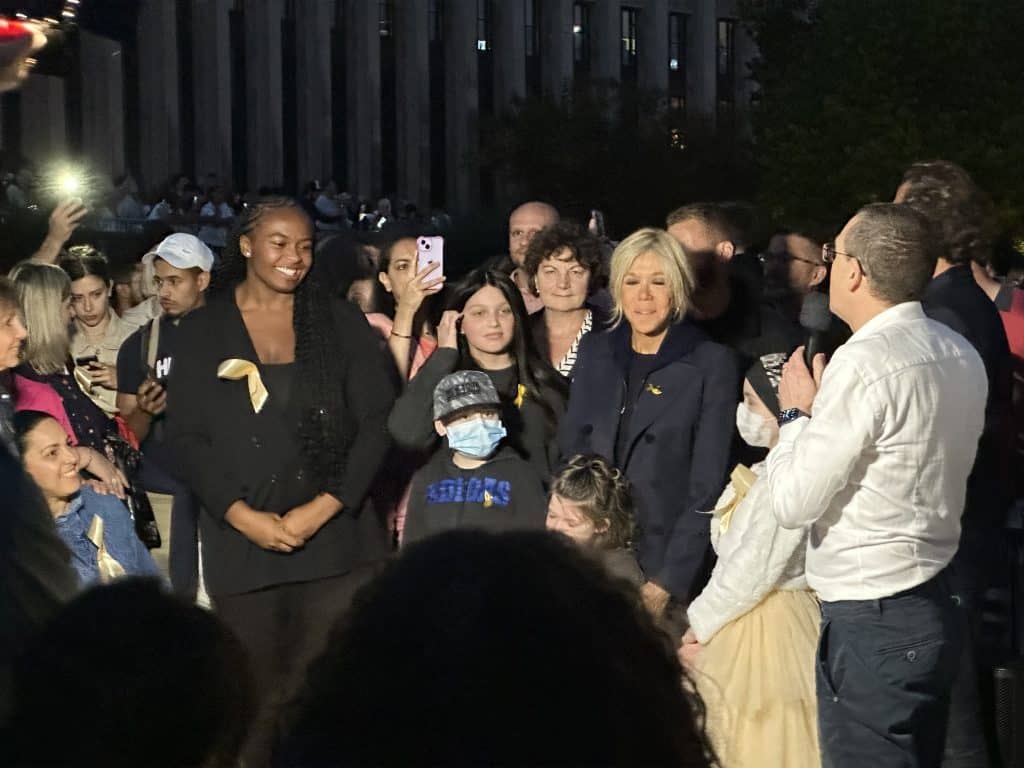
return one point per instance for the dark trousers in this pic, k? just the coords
(884, 672)
(183, 557)
(284, 628)
(966, 743)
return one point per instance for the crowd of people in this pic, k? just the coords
(206, 207)
(665, 501)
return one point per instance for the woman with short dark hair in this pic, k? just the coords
(565, 269)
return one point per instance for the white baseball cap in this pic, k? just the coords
(182, 251)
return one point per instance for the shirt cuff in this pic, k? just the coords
(789, 432)
(701, 624)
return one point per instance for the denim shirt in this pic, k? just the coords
(118, 535)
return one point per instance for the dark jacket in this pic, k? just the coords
(505, 494)
(677, 449)
(955, 299)
(412, 420)
(539, 330)
(226, 451)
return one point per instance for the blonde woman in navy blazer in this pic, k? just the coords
(656, 397)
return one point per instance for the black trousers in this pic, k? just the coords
(183, 558)
(284, 628)
(885, 669)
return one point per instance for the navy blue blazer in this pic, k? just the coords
(680, 431)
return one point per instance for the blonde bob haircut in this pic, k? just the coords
(42, 291)
(670, 254)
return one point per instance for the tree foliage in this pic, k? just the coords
(613, 148)
(854, 91)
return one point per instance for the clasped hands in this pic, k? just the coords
(283, 533)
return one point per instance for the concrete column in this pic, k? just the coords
(702, 72)
(746, 51)
(313, 23)
(159, 115)
(508, 30)
(43, 121)
(263, 92)
(556, 45)
(462, 99)
(102, 104)
(606, 40)
(412, 49)
(211, 62)
(652, 46)
(363, 86)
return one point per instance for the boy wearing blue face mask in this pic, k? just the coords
(476, 482)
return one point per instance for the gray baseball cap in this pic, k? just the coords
(462, 390)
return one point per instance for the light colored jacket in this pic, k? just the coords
(756, 556)
(106, 350)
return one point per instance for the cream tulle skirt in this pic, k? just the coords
(756, 677)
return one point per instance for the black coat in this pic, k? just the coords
(677, 450)
(226, 452)
(955, 299)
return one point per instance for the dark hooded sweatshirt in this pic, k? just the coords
(505, 494)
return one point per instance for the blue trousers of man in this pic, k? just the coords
(885, 669)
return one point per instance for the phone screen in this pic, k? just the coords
(430, 250)
(81, 362)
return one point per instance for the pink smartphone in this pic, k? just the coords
(430, 249)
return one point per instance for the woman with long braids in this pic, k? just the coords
(277, 414)
(485, 329)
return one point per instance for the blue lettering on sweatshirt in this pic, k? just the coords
(487, 491)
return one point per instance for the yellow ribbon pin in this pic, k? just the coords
(654, 390)
(520, 396)
(235, 369)
(742, 481)
(488, 500)
(108, 567)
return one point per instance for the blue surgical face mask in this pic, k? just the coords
(477, 437)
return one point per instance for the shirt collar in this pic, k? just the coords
(901, 313)
(71, 515)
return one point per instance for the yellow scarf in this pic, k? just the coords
(109, 568)
(236, 369)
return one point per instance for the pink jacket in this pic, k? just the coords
(35, 396)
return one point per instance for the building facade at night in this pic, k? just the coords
(385, 97)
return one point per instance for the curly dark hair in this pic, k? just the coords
(958, 210)
(583, 247)
(319, 375)
(533, 372)
(604, 495)
(520, 639)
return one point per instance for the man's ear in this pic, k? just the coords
(439, 428)
(725, 250)
(203, 280)
(820, 273)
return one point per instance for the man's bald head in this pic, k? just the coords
(526, 221)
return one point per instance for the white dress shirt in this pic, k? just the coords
(755, 557)
(880, 470)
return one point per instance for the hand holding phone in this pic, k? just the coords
(430, 250)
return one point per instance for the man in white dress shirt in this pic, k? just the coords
(873, 456)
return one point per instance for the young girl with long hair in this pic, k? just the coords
(485, 329)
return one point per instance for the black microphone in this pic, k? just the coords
(815, 318)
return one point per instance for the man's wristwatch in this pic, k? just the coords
(791, 414)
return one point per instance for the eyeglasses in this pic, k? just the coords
(767, 256)
(829, 253)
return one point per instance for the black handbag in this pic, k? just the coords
(128, 459)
